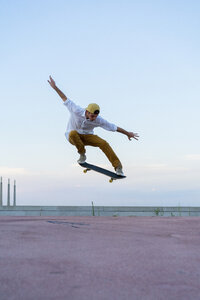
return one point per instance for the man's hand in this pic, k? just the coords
(52, 82)
(53, 85)
(131, 135)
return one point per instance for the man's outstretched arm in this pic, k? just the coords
(130, 135)
(53, 85)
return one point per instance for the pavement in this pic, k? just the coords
(99, 258)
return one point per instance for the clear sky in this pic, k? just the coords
(139, 60)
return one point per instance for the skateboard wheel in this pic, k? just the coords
(84, 171)
(111, 180)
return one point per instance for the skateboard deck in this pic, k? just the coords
(112, 175)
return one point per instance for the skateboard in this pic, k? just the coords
(112, 175)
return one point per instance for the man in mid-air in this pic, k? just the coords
(80, 129)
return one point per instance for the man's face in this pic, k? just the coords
(91, 116)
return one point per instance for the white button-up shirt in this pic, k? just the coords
(82, 125)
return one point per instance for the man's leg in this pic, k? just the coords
(96, 141)
(75, 139)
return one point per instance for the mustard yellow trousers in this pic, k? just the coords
(82, 140)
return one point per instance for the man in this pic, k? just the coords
(80, 129)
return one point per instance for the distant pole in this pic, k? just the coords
(14, 194)
(8, 195)
(1, 193)
(93, 213)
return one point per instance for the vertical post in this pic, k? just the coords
(8, 195)
(14, 194)
(93, 213)
(1, 193)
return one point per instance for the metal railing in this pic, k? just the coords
(8, 193)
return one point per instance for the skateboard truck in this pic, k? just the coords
(85, 170)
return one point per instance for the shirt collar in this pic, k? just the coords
(83, 114)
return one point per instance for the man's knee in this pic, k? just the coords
(104, 144)
(72, 134)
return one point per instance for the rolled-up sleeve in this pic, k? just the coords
(107, 125)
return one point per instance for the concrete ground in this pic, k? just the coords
(60, 258)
